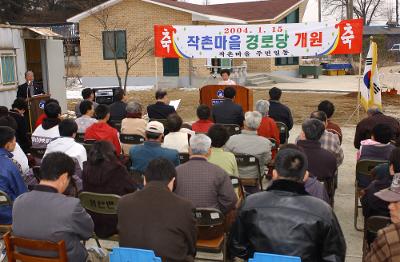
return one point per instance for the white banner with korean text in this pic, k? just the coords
(259, 41)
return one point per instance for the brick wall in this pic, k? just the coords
(138, 18)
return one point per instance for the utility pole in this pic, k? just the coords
(350, 9)
(350, 16)
(397, 12)
(319, 11)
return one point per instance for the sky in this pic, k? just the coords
(309, 15)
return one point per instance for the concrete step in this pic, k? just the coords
(251, 77)
(265, 82)
(258, 78)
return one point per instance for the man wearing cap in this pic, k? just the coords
(151, 149)
(386, 246)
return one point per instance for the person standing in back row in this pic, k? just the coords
(228, 112)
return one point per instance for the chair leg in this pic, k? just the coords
(224, 249)
(356, 207)
(97, 242)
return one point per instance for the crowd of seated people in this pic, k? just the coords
(291, 216)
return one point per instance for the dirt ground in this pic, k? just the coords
(301, 104)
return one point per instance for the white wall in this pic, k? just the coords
(11, 39)
(56, 72)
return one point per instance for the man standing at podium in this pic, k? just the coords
(29, 88)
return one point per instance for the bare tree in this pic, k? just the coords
(389, 12)
(365, 9)
(135, 51)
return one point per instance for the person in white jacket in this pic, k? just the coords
(66, 142)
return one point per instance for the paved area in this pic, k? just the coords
(344, 198)
(338, 84)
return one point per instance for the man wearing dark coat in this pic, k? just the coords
(30, 87)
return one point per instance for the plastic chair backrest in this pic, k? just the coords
(246, 160)
(89, 141)
(5, 199)
(364, 166)
(283, 131)
(273, 141)
(14, 243)
(80, 137)
(232, 129)
(38, 152)
(99, 203)
(237, 186)
(123, 254)
(374, 223)
(209, 217)
(116, 124)
(162, 121)
(87, 144)
(183, 157)
(131, 139)
(265, 257)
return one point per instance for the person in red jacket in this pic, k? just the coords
(268, 128)
(103, 131)
(43, 116)
(204, 123)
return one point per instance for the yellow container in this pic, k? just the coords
(332, 72)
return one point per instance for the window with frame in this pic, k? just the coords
(114, 44)
(8, 74)
(293, 17)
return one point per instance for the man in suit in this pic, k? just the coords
(161, 109)
(228, 112)
(157, 219)
(29, 88)
(278, 111)
(46, 214)
(118, 108)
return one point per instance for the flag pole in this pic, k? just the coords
(373, 66)
(156, 71)
(359, 88)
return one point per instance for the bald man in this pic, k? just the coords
(29, 88)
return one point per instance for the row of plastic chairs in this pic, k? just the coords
(118, 254)
(232, 128)
(210, 223)
(374, 223)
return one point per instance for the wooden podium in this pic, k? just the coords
(212, 94)
(35, 108)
